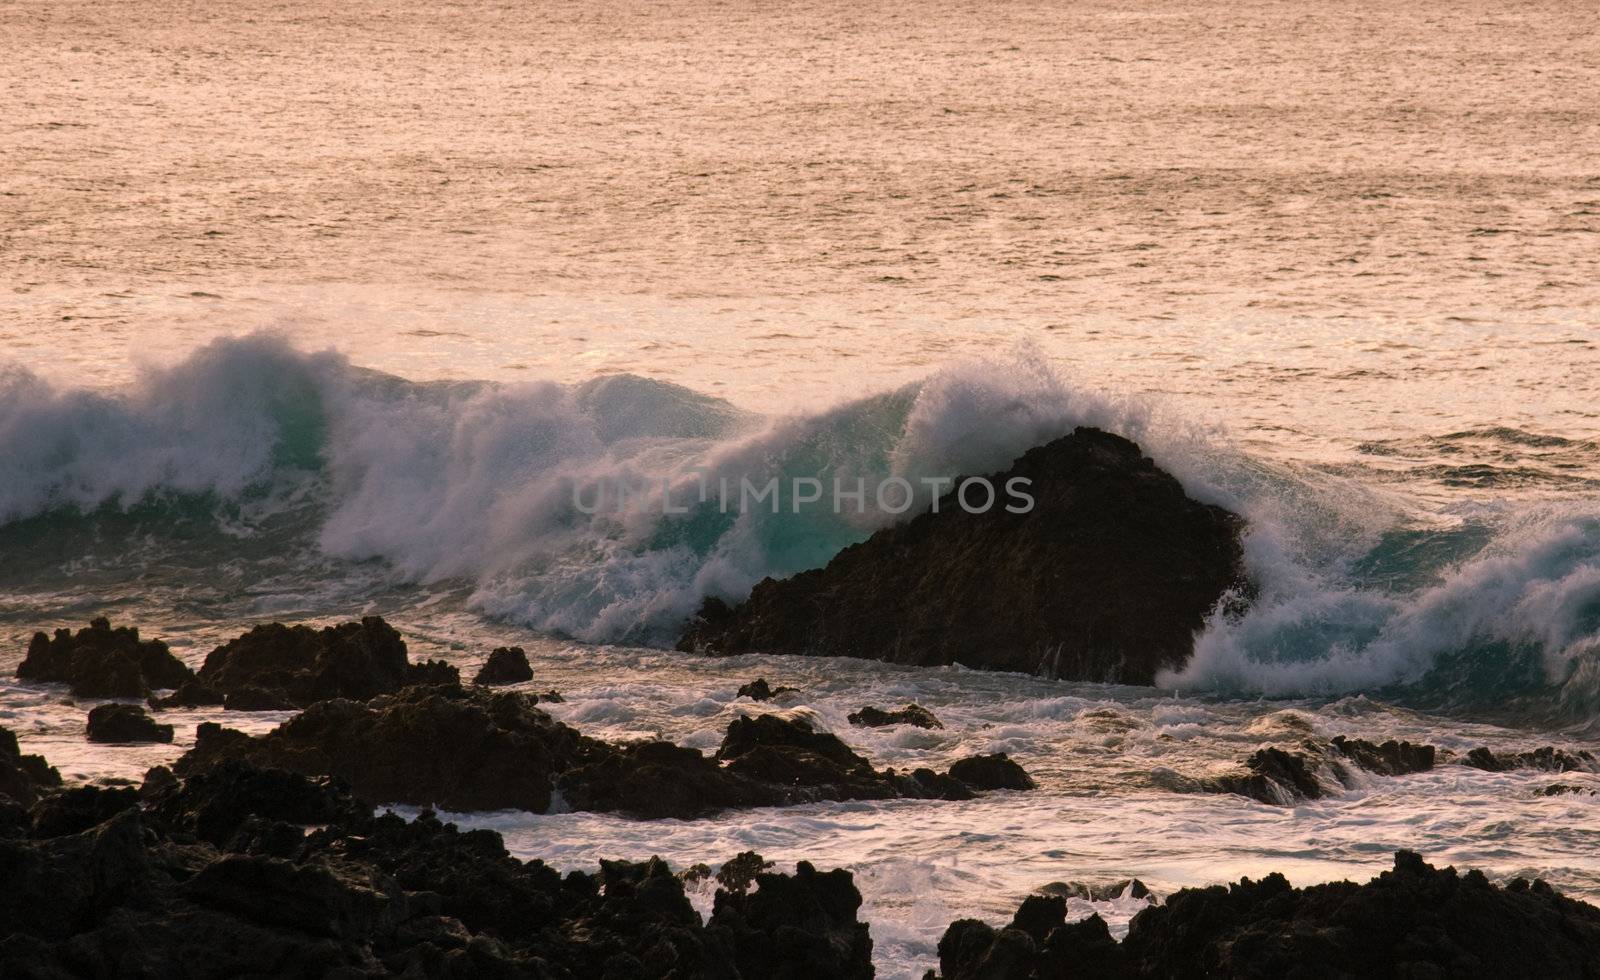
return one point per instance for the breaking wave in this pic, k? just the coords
(250, 447)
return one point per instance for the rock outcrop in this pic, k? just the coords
(125, 723)
(23, 778)
(1413, 921)
(997, 771)
(218, 876)
(101, 662)
(506, 665)
(477, 749)
(911, 714)
(277, 667)
(1107, 577)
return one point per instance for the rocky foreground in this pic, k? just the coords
(1106, 578)
(237, 869)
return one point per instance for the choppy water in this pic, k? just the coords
(1333, 267)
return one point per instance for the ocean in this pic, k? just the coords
(310, 317)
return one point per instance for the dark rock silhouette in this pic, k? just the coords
(506, 665)
(125, 723)
(760, 690)
(996, 771)
(1413, 921)
(23, 778)
(911, 714)
(276, 667)
(72, 811)
(477, 749)
(146, 889)
(1391, 758)
(1547, 758)
(190, 694)
(101, 662)
(1106, 578)
(459, 748)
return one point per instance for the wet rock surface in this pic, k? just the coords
(506, 665)
(1316, 769)
(1412, 921)
(102, 662)
(1106, 578)
(125, 723)
(912, 714)
(277, 667)
(1547, 758)
(217, 875)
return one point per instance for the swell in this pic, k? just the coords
(283, 464)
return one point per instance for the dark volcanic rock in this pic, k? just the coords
(72, 811)
(101, 662)
(216, 802)
(796, 926)
(506, 665)
(1391, 758)
(190, 694)
(1106, 578)
(1547, 758)
(458, 748)
(139, 893)
(478, 749)
(651, 780)
(911, 714)
(1316, 769)
(247, 698)
(125, 723)
(1273, 775)
(23, 778)
(1414, 921)
(759, 690)
(996, 771)
(275, 667)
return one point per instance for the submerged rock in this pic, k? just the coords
(1413, 921)
(506, 665)
(276, 667)
(101, 662)
(23, 778)
(759, 690)
(911, 714)
(1106, 578)
(125, 723)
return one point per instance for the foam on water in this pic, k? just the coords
(481, 487)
